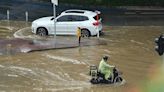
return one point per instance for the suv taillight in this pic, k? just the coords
(96, 23)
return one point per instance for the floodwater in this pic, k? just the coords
(131, 50)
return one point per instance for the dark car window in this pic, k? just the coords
(99, 17)
(64, 18)
(79, 18)
(68, 18)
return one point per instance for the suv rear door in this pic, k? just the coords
(76, 21)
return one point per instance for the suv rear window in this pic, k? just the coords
(95, 17)
(79, 18)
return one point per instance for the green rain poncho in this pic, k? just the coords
(105, 69)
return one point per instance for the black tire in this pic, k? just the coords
(42, 31)
(85, 33)
(117, 79)
(94, 81)
(101, 33)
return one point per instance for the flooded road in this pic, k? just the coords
(131, 49)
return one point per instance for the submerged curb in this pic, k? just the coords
(22, 43)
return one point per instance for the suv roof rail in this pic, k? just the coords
(76, 11)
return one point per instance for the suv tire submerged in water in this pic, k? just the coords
(42, 31)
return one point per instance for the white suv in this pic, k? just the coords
(68, 22)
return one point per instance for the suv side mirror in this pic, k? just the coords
(52, 18)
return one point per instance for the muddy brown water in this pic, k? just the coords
(131, 49)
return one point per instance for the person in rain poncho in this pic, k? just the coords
(105, 68)
(78, 33)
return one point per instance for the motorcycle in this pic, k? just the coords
(99, 78)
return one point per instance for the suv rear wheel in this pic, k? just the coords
(42, 31)
(85, 33)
